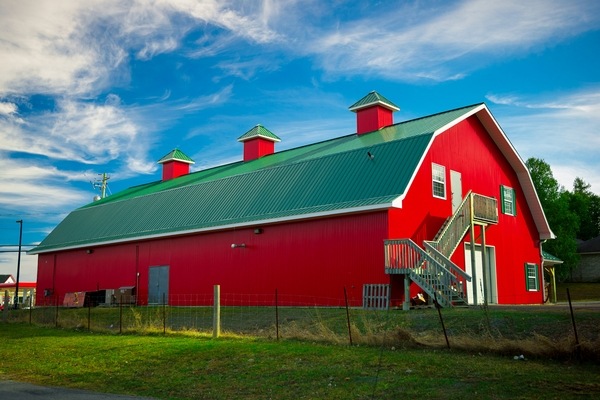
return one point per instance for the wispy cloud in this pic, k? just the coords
(561, 128)
(83, 132)
(445, 41)
(37, 186)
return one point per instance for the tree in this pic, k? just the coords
(586, 205)
(563, 222)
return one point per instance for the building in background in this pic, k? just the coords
(588, 268)
(8, 285)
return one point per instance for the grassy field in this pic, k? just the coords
(193, 366)
(168, 352)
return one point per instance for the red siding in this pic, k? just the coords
(174, 169)
(258, 147)
(372, 118)
(307, 261)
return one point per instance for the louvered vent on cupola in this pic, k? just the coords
(175, 164)
(258, 142)
(373, 112)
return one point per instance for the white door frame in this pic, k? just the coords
(477, 283)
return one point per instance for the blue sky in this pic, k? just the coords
(91, 87)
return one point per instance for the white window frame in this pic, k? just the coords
(532, 279)
(438, 180)
(509, 203)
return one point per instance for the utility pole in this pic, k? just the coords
(102, 184)
(20, 222)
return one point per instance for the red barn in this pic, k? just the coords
(441, 205)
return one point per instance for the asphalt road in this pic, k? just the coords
(27, 391)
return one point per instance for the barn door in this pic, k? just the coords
(455, 189)
(158, 285)
(476, 286)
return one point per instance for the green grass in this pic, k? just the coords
(395, 354)
(195, 366)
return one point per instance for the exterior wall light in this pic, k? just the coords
(234, 245)
(258, 231)
(89, 251)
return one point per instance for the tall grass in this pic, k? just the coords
(537, 333)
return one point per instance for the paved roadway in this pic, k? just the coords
(27, 391)
(577, 305)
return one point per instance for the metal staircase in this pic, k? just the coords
(430, 267)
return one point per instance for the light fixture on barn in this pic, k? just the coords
(236, 245)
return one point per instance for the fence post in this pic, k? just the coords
(164, 307)
(56, 315)
(217, 311)
(121, 314)
(577, 346)
(5, 309)
(348, 316)
(437, 305)
(276, 314)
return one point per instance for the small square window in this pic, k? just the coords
(508, 197)
(531, 277)
(438, 174)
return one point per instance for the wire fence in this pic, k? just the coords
(534, 330)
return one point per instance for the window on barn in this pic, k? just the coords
(438, 174)
(509, 203)
(532, 282)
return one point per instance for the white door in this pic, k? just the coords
(477, 284)
(455, 189)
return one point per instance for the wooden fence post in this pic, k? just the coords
(217, 311)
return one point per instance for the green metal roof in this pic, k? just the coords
(176, 155)
(324, 177)
(259, 131)
(551, 258)
(372, 99)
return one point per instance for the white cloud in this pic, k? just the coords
(37, 187)
(561, 128)
(7, 108)
(80, 48)
(28, 270)
(78, 131)
(444, 41)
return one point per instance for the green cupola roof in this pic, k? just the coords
(176, 155)
(372, 99)
(259, 131)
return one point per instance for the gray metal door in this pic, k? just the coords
(158, 285)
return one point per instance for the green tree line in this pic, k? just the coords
(574, 216)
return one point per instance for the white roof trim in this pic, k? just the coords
(351, 210)
(272, 139)
(375, 103)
